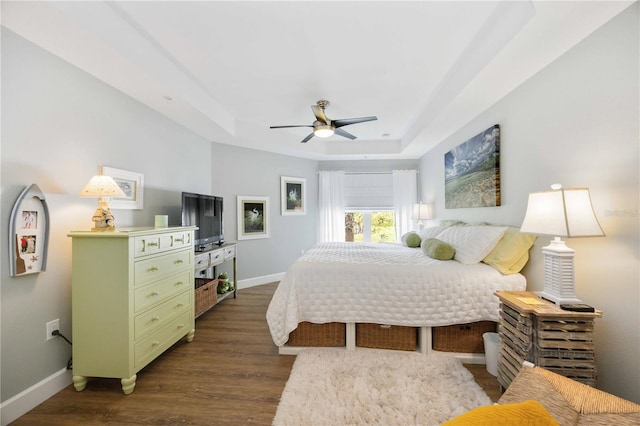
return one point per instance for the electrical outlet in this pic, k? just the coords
(51, 327)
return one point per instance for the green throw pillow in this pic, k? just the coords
(437, 249)
(411, 239)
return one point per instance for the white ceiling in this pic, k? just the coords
(229, 69)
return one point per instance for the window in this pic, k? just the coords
(370, 226)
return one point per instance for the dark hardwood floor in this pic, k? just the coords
(230, 374)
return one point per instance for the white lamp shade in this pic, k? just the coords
(562, 213)
(102, 186)
(421, 212)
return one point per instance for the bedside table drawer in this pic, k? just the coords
(157, 317)
(147, 296)
(150, 269)
(150, 347)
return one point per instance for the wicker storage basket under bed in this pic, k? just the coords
(332, 334)
(386, 336)
(462, 338)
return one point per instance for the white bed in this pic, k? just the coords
(387, 284)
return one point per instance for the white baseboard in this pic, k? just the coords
(30, 398)
(266, 279)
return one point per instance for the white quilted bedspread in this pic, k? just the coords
(384, 284)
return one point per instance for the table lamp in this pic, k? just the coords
(421, 212)
(561, 213)
(102, 187)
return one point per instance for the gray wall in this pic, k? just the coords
(58, 125)
(575, 123)
(247, 172)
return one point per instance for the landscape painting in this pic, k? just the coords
(472, 172)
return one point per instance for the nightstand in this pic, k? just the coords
(536, 330)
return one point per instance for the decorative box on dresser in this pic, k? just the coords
(132, 298)
(536, 330)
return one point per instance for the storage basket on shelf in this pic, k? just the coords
(381, 336)
(318, 335)
(205, 295)
(462, 338)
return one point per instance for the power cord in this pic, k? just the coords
(57, 333)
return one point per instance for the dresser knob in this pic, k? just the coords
(155, 343)
(179, 261)
(156, 318)
(153, 269)
(155, 293)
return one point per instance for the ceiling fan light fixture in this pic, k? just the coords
(323, 130)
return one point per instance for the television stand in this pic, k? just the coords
(206, 276)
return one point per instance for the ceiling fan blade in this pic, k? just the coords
(347, 121)
(343, 133)
(308, 138)
(319, 113)
(294, 125)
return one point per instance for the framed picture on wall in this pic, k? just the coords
(253, 217)
(293, 195)
(131, 183)
(472, 172)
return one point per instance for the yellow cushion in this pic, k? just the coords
(528, 413)
(511, 253)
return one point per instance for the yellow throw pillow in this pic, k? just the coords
(511, 253)
(528, 413)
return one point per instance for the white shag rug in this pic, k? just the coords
(376, 387)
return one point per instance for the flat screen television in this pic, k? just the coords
(205, 212)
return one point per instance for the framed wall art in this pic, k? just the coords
(293, 195)
(131, 183)
(29, 233)
(472, 172)
(253, 217)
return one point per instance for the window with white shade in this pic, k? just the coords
(369, 214)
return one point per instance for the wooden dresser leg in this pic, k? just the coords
(80, 383)
(128, 384)
(191, 335)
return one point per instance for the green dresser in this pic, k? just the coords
(132, 295)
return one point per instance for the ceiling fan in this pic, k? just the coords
(324, 127)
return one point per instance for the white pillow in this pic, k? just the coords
(472, 243)
(431, 232)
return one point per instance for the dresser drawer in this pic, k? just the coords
(145, 245)
(229, 252)
(175, 240)
(150, 347)
(157, 317)
(149, 270)
(216, 257)
(149, 295)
